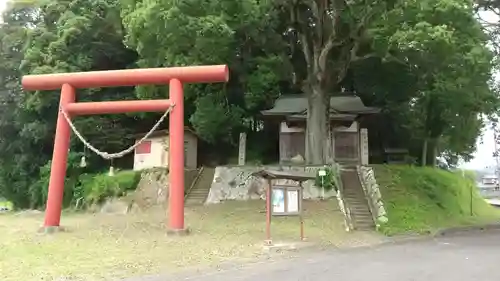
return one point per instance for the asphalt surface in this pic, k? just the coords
(471, 257)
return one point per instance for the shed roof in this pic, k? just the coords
(297, 105)
(160, 133)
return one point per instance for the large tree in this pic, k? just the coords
(331, 35)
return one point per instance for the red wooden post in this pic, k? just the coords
(268, 212)
(59, 159)
(176, 155)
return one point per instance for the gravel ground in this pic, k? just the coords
(472, 256)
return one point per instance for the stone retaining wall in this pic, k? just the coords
(237, 183)
(372, 192)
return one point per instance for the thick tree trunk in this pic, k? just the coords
(318, 136)
(434, 151)
(424, 152)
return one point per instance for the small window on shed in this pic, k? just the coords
(143, 148)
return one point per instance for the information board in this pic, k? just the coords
(286, 200)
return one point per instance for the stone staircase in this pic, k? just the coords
(200, 187)
(355, 199)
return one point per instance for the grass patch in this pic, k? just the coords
(4, 203)
(105, 246)
(422, 200)
(95, 188)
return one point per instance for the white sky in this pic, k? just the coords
(3, 3)
(484, 155)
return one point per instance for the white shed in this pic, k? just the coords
(153, 152)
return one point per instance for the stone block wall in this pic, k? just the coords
(372, 192)
(237, 183)
(346, 212)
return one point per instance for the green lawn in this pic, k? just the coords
(423, 200)
(105, 246)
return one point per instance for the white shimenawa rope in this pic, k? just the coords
(122, 153)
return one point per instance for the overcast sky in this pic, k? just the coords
(484, 154)
(2, 4)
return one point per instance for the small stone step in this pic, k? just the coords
(350, 194)
(358, 217)
(196, 196)
(364, 227)
(193, 203)
(361, 215)
(200, 189)
(365, 213)
(356, 199)
(357, 206)
(198, 192)
(360, 209)
(363, 222)
(359, 197)
(196, 199)
(368, 220)
(354, 193)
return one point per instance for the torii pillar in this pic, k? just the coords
(69, 82)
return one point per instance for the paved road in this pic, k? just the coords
(468, 257)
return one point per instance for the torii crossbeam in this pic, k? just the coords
(69, 82)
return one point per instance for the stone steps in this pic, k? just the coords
(355, 200)
(199, 193)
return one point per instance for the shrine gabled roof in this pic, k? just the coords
(333, 117)
(297, 105)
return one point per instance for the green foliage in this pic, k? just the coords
(39, 189)
(215, 120)
(427, 199)
(329, 181)
(95, 188)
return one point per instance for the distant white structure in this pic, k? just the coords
(489, 181)
(489, 187)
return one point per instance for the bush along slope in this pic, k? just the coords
(423, 200)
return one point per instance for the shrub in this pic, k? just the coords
(95, 188)
(38, 190)
(329, 181)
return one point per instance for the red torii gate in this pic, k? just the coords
(69, 82)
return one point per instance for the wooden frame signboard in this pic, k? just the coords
(283, 200)
(286, 200)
